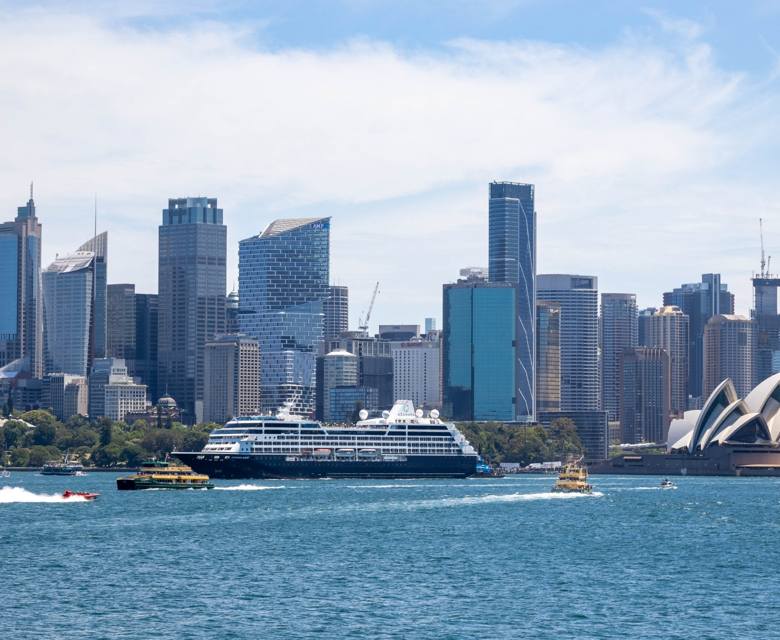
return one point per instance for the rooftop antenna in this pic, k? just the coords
(764, 274)
(31, 186)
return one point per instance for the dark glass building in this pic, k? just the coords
(283, 282)
(99, 246)
(145, 366)
(21, 309)
(479, 363)
(121, 325)
(619, 331)
(343, 399)
(512, 258)
(645, 392)
(548, 356)
(191, 304)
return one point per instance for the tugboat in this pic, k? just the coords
(72, 494)
(573, 479)
(64, 468)
(667, 484)
(163, 475)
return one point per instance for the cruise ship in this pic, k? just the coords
(401, 444)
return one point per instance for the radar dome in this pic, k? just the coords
(385, 414)
(434, 414)
(418, 413)
(363, 414)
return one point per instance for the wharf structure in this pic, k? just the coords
(727, 437)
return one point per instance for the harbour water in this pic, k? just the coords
(483, 558)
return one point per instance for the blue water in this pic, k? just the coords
(473, 559)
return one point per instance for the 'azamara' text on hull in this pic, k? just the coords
(401, 444)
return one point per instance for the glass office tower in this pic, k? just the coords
(479, 363)
(21, 310)
(191, 297)
(548, 356)
(68, 300)
(146, 342)
(619, 331)
(99, 246)
(283, 277)
(512, 258)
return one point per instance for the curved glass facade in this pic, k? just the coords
(283, 277)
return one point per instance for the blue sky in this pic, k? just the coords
(650, 130)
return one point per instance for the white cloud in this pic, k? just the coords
(632, 148)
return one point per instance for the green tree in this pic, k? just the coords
(108, 455)
(106, 431)
(84, 437)
(169, 422)
(20, 457)
(14, 432)
(44, 435)
(161, 441)
(194, 441)
(563, 433)
(76, 422)
(10, 406)
(133, 455)
(38, 417)
(40, 455)
(159, 416)
(140, 425)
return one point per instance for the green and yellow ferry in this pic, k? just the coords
(573, 479)
(163, 475)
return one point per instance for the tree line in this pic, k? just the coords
(101, 442)
(497, 442)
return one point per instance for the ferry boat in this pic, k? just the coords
(573, 479)
(667, 484)
(163, 475)
(64, 468)
(403, 443)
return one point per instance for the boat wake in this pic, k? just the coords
(9, 495)
(247, 487)
(488, 499)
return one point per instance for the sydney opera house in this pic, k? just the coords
(728, 437)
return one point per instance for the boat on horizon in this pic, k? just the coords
(403, 443)
(64, 468)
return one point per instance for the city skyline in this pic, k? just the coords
(651, 144)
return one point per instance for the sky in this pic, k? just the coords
(650, 130)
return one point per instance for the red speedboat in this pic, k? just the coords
(72, 494)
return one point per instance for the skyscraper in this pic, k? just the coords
(99, 246)
(336, 310)
(232, 379)
(340, 369)
(121, 324)
(729, 352)
(146, 342)
(644, 326)
(668, 330)
(430, 325)
(479, 362)
(21, 306)
(231, 312)
(578, 299)
(548, 356)
(644, 394)
(700, 301)
(192, 280)
(512, 258)
(68, 314)
(764, 312)
(283, 284)
(619, 331)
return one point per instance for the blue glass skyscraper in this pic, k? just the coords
(512, 258)
(479, 364)
(283, 282)
(191, 297)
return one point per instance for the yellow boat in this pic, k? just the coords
(573, 479)
(163, 475)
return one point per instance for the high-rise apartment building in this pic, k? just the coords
(548, 356)
(578, 298)
(619, 331)
(232, 383)
(645, 388)
(336, 312)
(145, 366)
(667, 329)
(644, 325)
(430, 325)
(99, 246)
(283, 284)
(729, 352)
(480, 367)
(417, 371)
(65, 395)
(192, 279)
(121, 324)
(68, 314)
(512, 258)
(700, 301)
(21, 300)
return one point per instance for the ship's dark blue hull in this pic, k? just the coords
(265, 466)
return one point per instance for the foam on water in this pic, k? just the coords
(511, 497)
(10, 495)
(246, 487)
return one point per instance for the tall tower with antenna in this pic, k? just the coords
(764, 312)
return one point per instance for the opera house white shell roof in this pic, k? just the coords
(727, 419)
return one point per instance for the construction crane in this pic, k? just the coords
(764, 263)
(364, 325)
